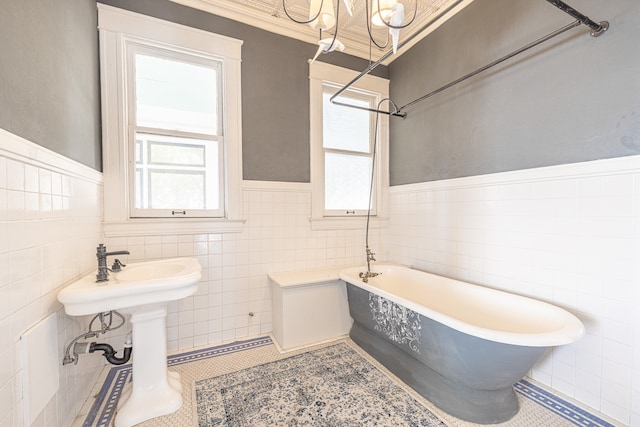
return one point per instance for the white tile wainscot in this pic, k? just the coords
(276, 237)
(50, 223)
(569, 235)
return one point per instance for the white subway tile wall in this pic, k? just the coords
(569, 235)
(234, 296)
(50, 221)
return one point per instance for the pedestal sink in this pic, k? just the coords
(141, 290)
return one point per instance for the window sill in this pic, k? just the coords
(351, 223)
(162, 227)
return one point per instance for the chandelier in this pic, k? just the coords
(324, 16)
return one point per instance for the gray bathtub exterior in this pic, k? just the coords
(466, 376)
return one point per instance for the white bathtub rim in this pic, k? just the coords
(571, 330)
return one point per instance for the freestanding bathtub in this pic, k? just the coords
(461, 346)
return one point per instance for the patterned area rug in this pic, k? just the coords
(333, 386)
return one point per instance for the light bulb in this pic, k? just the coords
(379, 17)
(326, 18)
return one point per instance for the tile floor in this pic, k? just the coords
(538, 407)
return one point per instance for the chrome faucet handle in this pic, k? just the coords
(370, 255)
(117, 266)
(365, 276)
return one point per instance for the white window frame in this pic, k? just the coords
(321, 74)
(153, 49)
(117, 29)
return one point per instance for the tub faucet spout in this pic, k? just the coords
(370, 256)
(366, 275)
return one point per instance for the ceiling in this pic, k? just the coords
(352, 30)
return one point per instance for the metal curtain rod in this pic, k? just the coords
(597, 30)
(492, 64)
(597, 27)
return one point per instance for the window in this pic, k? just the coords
(171, 126)
(342, 143)
(347, 142)
(176, 134)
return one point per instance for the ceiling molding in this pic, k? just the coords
(277, 22)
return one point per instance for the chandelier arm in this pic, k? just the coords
(286, 12)
(397, 112)
(335, 33)
(366, 11)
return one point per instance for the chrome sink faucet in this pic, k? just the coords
(103, 270)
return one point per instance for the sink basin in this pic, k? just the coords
(137, 284)
(141, 290)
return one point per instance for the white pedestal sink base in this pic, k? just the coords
(154, 391)
(142, 290)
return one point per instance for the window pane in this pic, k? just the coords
(177, 173)
(347, 181)
(176, 190)
(176, 154)
(176, 95)
(346, 128)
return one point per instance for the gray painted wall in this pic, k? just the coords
(275, 90)
(573, 99)
(49, 76)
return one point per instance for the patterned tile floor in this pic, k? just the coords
(538, 407)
